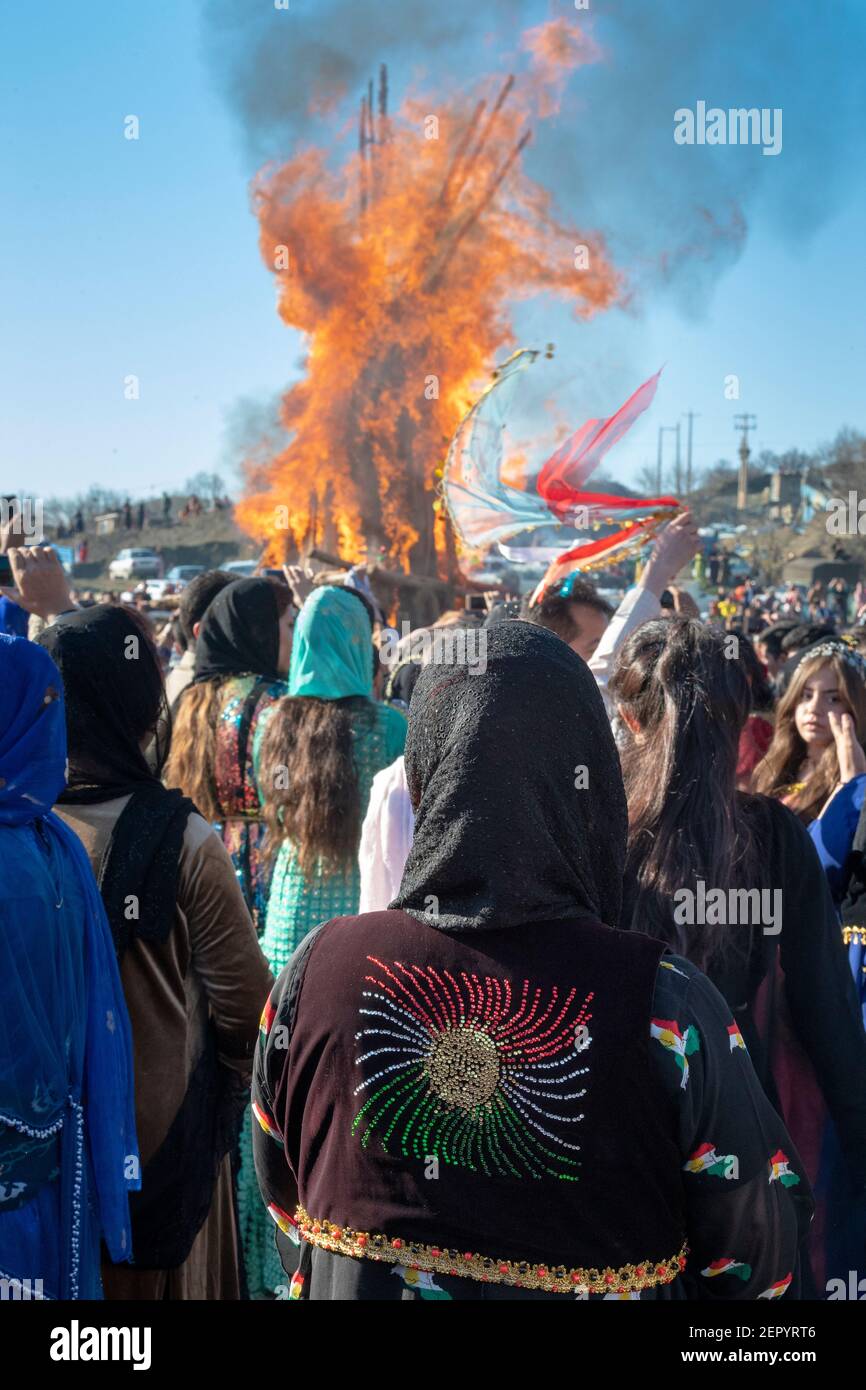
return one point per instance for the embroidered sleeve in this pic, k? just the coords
(748, 1202)
(276, 1180)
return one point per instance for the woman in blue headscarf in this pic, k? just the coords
(68, 1150)
(316, 753)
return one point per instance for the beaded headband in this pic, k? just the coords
(840, 649)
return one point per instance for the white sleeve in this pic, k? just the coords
(386, 837)
(638, 606)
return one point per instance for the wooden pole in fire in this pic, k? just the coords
(462, 146)
(362, 154)
(398, 577)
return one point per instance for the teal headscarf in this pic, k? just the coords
(332, 648)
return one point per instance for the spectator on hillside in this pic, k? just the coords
(79, 521)
(127, 514)
(141, 516)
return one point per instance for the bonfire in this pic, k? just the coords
(401, 265)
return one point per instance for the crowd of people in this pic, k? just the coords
(754, 606)
(334, 970)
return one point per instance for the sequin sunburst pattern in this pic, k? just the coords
(472, 1070)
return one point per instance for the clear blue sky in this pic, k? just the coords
(140, 257)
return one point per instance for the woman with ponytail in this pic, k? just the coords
(732, 882)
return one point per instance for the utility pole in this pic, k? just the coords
(659, 461)
(663, 430)
(690, 416)
(744, 423)
(678, 467)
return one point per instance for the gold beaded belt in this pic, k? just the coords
(857, 934)
(340, 1240)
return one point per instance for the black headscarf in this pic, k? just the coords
(520, 807)
(115, 700)
(239, 633)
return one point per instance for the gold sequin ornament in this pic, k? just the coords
(463, 1067)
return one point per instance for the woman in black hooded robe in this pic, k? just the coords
(490, 1091)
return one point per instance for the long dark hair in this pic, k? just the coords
(309, 781)
(192, 764)
(689, 697)
(115, 700)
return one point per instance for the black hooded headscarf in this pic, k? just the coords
(239, 633)
(520, 808)
(115, 702)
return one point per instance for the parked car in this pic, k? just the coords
(182, 574)
(136, 563)
(249, 569)
(242, 569)
(177, 579)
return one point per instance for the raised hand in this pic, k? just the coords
(849, 750)
(300, 582)
(674, 547)
(41, 583)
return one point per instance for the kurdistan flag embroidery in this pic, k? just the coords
(422, 1283)
(776, 1290)
(268, 1124)
(780, 1170)
(735, 1036)
(267, 1018)
(287, 1224)
(737, 1267)
(682, 1045)
(706, 1160)
(472, 1071)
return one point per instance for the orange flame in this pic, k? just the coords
(403, 295)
